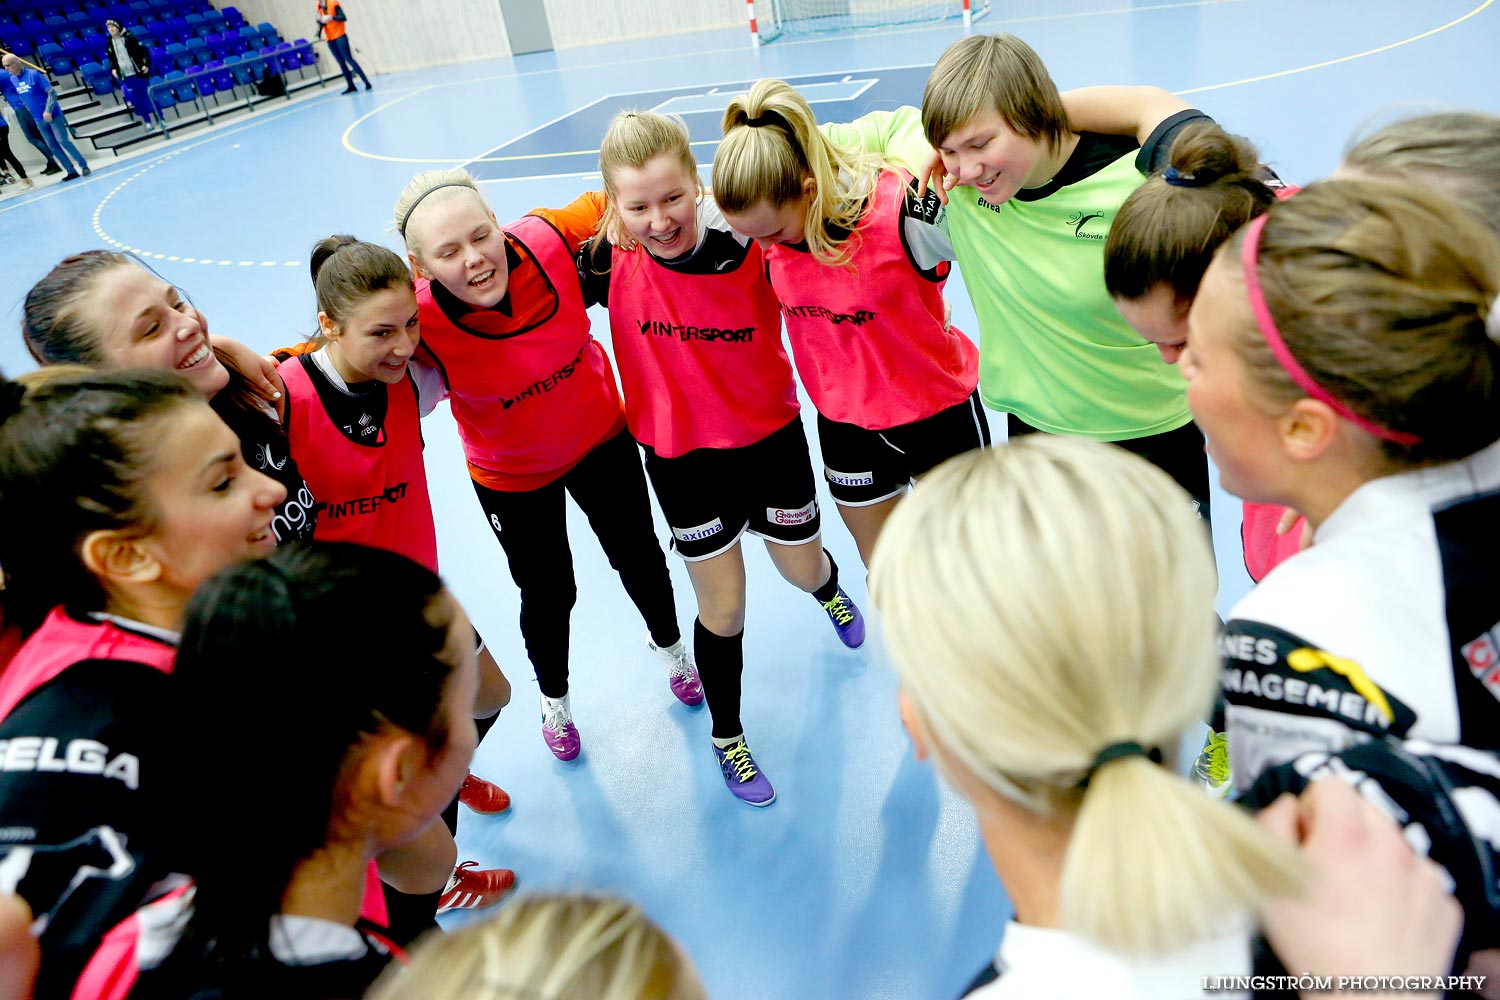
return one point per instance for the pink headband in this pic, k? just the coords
(1249, 253)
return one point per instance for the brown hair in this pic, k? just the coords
(769, 159)
(1166, 232)
(1382, 293)
(1456, 150)
(346, 270)
(55, 332)
(998, 73)
(76, 445)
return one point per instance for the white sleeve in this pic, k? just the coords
(431, 389)
(924, 228)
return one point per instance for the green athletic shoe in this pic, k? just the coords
(1212, 765)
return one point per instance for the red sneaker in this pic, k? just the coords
(472, 889)
(484, 797)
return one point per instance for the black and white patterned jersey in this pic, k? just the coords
(1388, 626)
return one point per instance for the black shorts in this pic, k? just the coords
(1179, 453)
(711, 496)
(864, 467)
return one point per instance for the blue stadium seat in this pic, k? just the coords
(78, 52)
(223, 79)
(53, 57)
(12, 38)
(219, 44)
(233, 17)
(196, 25)
(268, 33)
(98, 78)
(162, 97)
(179, 55)
(57, 28)
(237, 68)
(182, 87)
(198, 49)
(308, 53)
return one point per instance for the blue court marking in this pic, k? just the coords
(570, 144)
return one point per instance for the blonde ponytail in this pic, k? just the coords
(1043, 601)
(771, 145)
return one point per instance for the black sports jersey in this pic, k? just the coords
(1446, 799)
(264, 444)
(79, 827)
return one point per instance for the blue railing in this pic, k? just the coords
(246, 61)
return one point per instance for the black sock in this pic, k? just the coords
(485, 725)
(829, 590)
(721, 663)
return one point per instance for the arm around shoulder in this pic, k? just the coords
(1133, 111)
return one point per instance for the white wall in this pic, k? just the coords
(586, 22)
(390, 35)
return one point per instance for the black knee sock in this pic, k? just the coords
(485, 725)
(721, 662)
(829, 590)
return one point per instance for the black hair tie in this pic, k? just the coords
(10, 398)
(1118, 751)
(1177, 178)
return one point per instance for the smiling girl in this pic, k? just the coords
(504, 322)
(1343, 356)
(353, 412)
(859, 263)
(710, 397)
(133, 492)
(108, 310)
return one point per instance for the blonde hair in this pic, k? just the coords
(1385, 293)
(634, 139)
(1454, 149)
(999, 73)
(428, 188)
(1042, 601)
(548, 948)
(771, 145)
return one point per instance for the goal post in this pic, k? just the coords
(769, 19)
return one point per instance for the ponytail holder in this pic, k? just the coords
(758, 121)
(1118, 751)
(1266, 323)
(10, 398)
(1177, 178)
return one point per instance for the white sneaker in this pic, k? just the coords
(682, 674)
(558, 731)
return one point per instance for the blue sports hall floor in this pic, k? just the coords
(865, 880)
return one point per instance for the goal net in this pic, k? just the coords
(804, 17)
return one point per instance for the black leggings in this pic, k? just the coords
(6, 156)
(1179, 453)
(610, 488)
